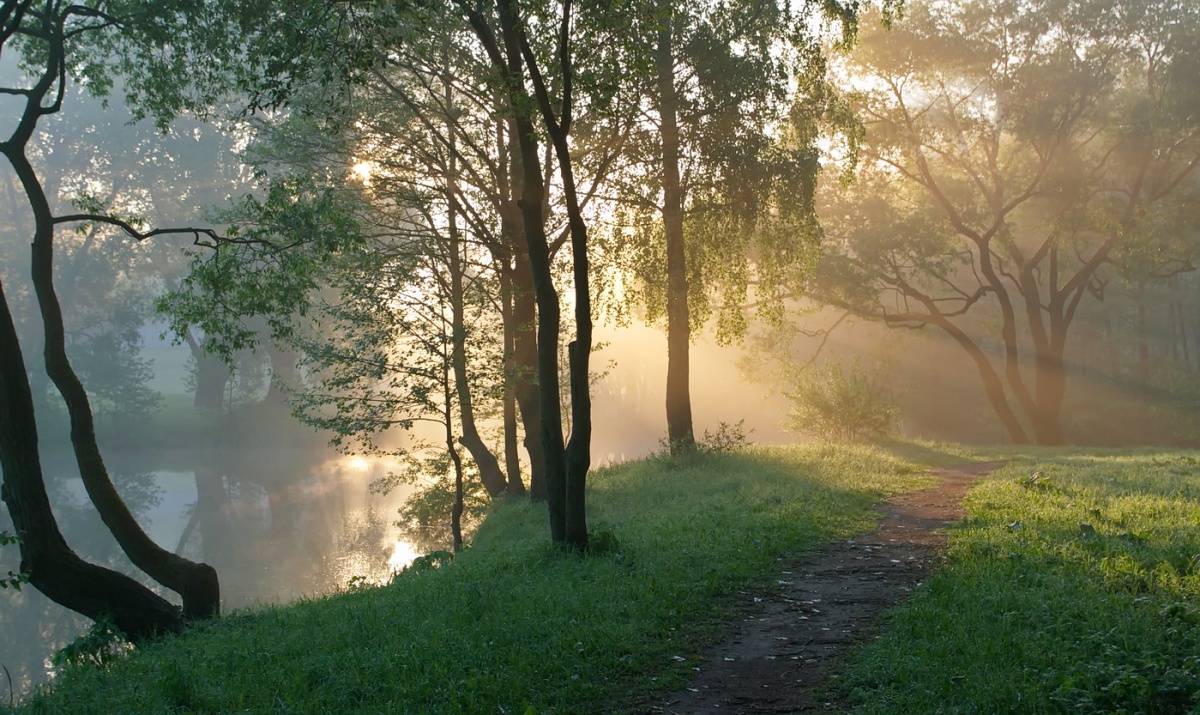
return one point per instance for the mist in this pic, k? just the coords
(339, 352)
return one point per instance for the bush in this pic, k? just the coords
(830, 404)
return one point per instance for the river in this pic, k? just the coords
(277, 525)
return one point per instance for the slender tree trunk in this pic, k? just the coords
(548, 324)
(456, 511)
(563, 483)
(512, 458)
(490, 474)
(679, 400)
(522, 369)
(525, 372)
(1143, 346)
(53, 568)
(196, 583)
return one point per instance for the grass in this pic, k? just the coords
(1077, 590)
(511, 626)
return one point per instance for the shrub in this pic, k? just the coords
(832, 402)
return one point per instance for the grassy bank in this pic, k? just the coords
(1075, 590)
(511, 626)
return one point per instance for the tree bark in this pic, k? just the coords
(512, 459)
(197, 584)
(490, 473)
(679, 402)
(523, 367)
(531, 203)
(53, 568)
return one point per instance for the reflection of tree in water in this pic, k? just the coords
(26, 616)
(362, 550)
(275, 523)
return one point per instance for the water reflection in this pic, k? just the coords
(276, 524)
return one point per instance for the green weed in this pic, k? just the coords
(1071, 586)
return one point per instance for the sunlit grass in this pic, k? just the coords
(511, 626)
(1075, 590)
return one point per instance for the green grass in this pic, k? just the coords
(511, 626)
(1077, 591)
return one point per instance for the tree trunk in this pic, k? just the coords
(522, 326)
(197, 584)
(212, 377)
(1143, 345)
(525, 370)
(53, 568)
(490, 474)
(1051, 388)
(993, 386)
(548, 324)
(679, 401)
(512, 459)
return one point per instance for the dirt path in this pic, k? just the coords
(788, 636)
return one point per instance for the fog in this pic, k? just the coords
(989, 268)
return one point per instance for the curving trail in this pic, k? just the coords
(788, 637)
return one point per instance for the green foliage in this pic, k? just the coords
(1073, 584)
(100, 646)
(273, 258)
(752, 99)
(424, 518)
(840, 403)
(13, 580)
(725, 438)
(512, 625)
(428, 562)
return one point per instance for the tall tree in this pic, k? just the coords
(503, 31)
(47, 31)
(717, 189)
(1014, 152)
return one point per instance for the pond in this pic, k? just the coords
(277, 525)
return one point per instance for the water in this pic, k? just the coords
(276, 524)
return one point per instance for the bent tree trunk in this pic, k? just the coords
(53, 568)
(490, 474)
(197, 584)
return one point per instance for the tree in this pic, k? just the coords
(46, 33)
(1014, 153)
(718, 187)
(502, 30)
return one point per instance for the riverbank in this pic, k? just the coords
(510, 625)
(1072, 585)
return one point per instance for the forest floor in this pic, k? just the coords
(789, 640)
